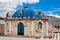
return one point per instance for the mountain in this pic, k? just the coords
(53, 20)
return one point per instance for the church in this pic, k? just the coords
(26, 22)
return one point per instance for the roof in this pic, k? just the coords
(28, 12)
(2, 18)
(52, 28)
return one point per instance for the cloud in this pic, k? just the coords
(21, 1)
(10, 5)
(57, 16)
(6, 6)
(31, 1)
(53, 12)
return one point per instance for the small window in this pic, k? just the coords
(39, 25)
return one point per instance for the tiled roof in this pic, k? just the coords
(52, 28)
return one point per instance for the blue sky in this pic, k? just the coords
(46, 5)
(50, 7)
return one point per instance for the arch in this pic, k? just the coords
(41, 22)
(20, 28)
(39, 25)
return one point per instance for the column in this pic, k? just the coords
(10, 28)
(32, 27)
(42, 30)
(46, 28)
(5, 29)
(58, 36)
(55, 36)
(1, 21)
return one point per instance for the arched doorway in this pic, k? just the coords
(20, 29)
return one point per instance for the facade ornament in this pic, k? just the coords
(8, 14)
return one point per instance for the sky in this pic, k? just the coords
(49, 7)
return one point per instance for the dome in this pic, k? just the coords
(27, 12)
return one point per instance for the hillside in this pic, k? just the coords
(53, 20)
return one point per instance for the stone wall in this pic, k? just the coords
(28, 31)
(39, 33)
(1, 29)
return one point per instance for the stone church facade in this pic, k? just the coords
(26, 25)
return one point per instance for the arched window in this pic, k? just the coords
(39, 25)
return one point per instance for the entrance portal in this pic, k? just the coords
(20, 29)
